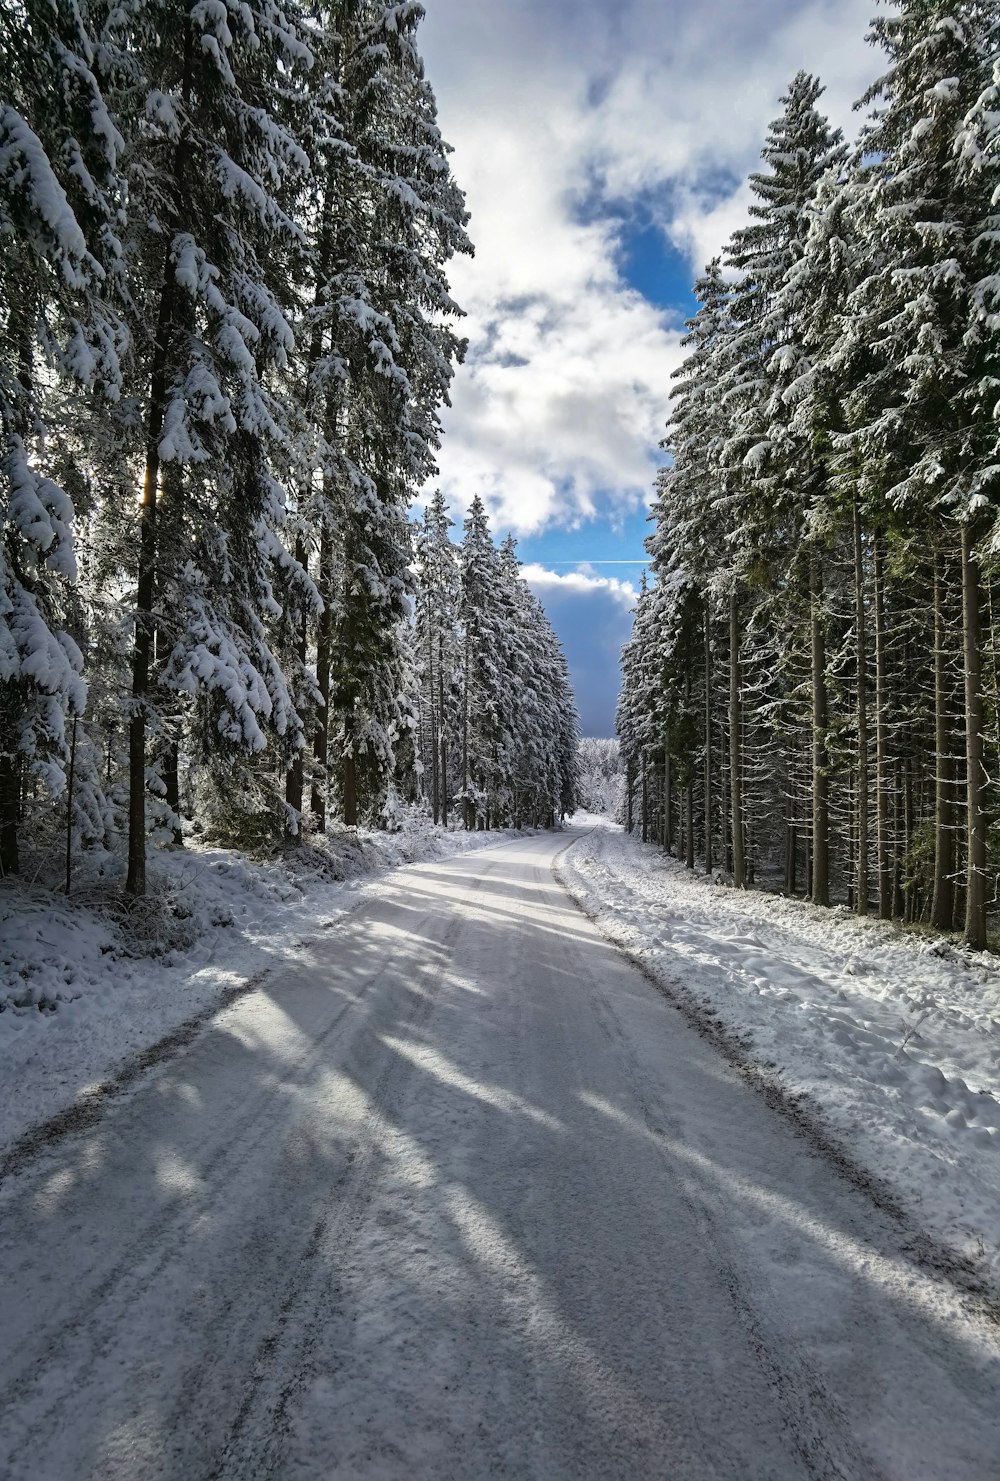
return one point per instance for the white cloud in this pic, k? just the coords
(558, 412)
(583, 581)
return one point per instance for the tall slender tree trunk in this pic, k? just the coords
(70, 802)
(725, 833)
(467, 801)
(443, 732)
(820, 782)
(172, 789)
(142, 647)
(295, 776)
(735, 745)
(666, 790)
(708, 742)
(975, 889)
(142, 644)
(862, 645)
(905, 896)
(689, 817)
(943, 898)
(629, 786)
(10, 800)
(689, 785)
(324, 644)
(645, 798)
(435, 787)
(21, 325)
(793, 841)
(319, 790)
(881, 741)
(350, 785)
(668, 800)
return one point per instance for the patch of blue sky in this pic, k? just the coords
(654, 268)
(592, 628)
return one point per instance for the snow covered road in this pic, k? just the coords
(464, 1196)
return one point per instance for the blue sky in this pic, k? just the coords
(603, 149)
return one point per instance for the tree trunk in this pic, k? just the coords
(708, 742)
(70, 785)
(135, 883)
(172, 789)
(10, 798)
(142, 648)
(443, 733)
(943, 898)
(435, 785)
(689, 809)
(793, 843)
(21, 326)
(324, 632)
(881, 746)
(735, 747)
(645, 799)
(350, 780)
(862, 640)
(295, 776)
(725, 834)
(319, 790)
(820, 783)
(975, 889)
(668, 802)
(467, 801)
(665, 839)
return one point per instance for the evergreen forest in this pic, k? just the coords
(226, 340)
(811, 697)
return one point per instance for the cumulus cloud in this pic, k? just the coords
(565, 117)
(583, 581)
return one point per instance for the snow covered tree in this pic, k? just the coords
(923, 419)
(484, 677)
(844, 500)
(212, 164)
(775, 483)
(394, 317)
(61, 190)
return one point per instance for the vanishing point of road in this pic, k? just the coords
(462, 1197)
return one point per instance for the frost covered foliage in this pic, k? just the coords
(810, 692)
(496, 724)
(601, 784)
(225, 339)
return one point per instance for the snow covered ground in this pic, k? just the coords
(458, 1194)
(894, 1038)
(82, 988)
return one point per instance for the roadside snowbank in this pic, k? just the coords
(894, 1038)
(83, 986)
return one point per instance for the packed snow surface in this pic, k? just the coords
(83, 986)
(457, 1193)
(894, 1037)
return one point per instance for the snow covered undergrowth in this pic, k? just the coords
(894, 1038)
(83, 986)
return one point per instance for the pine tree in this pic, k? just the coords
(60, 191)
(923, 417)
(774, 481)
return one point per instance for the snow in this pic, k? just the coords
(82, 988)
(893, 1037)
(24, 163)
(456, 1193)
